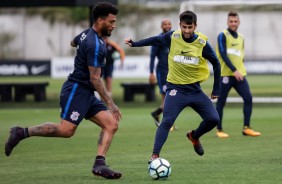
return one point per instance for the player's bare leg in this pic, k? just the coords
(109, 126)
(64, 129)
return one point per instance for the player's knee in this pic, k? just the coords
(167, 122)
(112, 126)
(214, 119)
(248, 100)
(67, 133)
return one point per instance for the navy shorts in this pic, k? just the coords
(108, 70)
(78, 102)
(161, 78)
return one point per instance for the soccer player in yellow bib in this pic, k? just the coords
(230, 51)
(187, 64)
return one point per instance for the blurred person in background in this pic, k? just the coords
(161, 52)
(114, 52)
(230, 51)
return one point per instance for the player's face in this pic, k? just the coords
(187, 29)
(108, 25)
(166, 26)
(233, 22)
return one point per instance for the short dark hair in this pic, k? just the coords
(102, 10)
(233, 13)
(188, 17)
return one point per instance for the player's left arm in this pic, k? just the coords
(209, 54)
(77, 39)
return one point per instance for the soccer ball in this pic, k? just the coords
(159, 169)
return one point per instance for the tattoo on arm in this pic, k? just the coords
(98, 84)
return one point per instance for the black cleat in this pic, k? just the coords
(105, 172)
(196, 143)
(156, 119)
(13, 140)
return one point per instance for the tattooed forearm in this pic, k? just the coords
(45, 130)
(97, 82)
(100, 141)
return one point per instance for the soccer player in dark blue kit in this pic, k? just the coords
(161, 52)
(77, 99)
(230, 51)
(187, 68)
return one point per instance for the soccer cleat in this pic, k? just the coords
(156, 119)
(221, 134)
(153, 157)
(248, 131)
(173, 128)
(13, 140)
(104, 171)
(196, 143)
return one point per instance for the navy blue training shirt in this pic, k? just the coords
(161, 52)
(91, 51)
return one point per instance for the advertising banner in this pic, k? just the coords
(24, 68)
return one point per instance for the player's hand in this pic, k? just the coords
(115, 111)
(238, 76)
(128, 41)
(152, 79)
(214, 97)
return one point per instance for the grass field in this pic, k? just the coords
(238, 159)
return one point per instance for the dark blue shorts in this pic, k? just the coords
(161, 78)
(177, 98)
(108, 71)
(78, 102)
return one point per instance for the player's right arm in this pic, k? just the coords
(153, 55)
(118, 48)
(95, 62)
(159, 40)
(223, 53)
(96, 81)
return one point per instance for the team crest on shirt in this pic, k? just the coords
(202, 41)
(176, 35)
(225, 80)
(74, 116)
(173, 92)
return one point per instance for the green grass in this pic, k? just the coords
(238, 159)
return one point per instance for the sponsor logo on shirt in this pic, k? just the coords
(186, 60)
(185, 52)
(202, 41)
(176, 35)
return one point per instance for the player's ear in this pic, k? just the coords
(100, 20)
